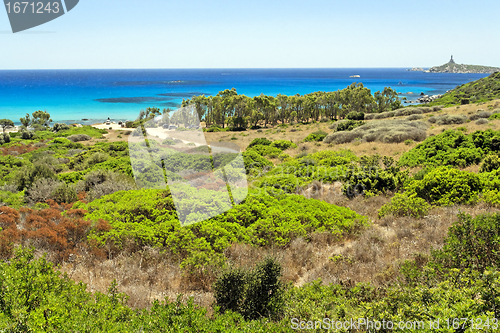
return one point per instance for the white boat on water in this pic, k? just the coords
(354, 76)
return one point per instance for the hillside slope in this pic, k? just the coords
(482, 90)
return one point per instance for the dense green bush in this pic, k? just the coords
(285, 183)
(149, 218)
(283, 144)
(405, 205)
(255, 293)
(264, 296)
(4, 138)
(353, 115)
(214, 128)
(452, 148)
(27, 135)
(472, 242)
(316, 136)
(348, 125)
(229, 290)
(9, 196)
(260, 141)
(372, 180)
(446, 186)
(268, 151)
(490, 163)
(60, 127)
(26, 176)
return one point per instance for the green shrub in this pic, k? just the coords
(285, 183)
(264, 296)
(372, 180)
(316, 136)
(27, 135)
(149, 218)
(4, 138)
(494, 116)
(405, 205)
(283, 144)
(26, 176)
(471, 243)
(260, 141)
(64, 193)
(408, 142)
(11, 197)
(446, 186)
(271, 152)
(348, 125)
(353, 115)
(452, 148)
(492, 197)
(229, 290)
(60, 127)
(214, 128)
(490, 163)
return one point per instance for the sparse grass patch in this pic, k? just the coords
(388, 131)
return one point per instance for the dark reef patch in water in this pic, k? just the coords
(184, 94)
(133, 100)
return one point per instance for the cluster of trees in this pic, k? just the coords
(228, 108)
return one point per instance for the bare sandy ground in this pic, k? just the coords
(113, 127)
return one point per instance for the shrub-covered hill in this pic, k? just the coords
(148, 218)
(453, 148)
(482, 90)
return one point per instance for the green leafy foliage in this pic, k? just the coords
(260, 141)
(149, 218)
(353, 115)
(472, 243)
(452, 148)
(316, 136)
(255, 293)
(490, 163)
(283, 144)
(405, 205)
(348, 125)
(269, 151)
(446, 186)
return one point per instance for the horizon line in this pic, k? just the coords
(214, 68)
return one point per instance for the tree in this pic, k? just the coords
(387, 100)
(4, 123)
(26, 120)
(226, 104)
(41, 118)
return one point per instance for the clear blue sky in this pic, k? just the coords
(265, 34)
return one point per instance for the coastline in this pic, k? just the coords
(120, 95)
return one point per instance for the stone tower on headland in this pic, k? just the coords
(451, 60)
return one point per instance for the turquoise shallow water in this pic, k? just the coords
(73, 95)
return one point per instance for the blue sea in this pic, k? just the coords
(73, 95)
